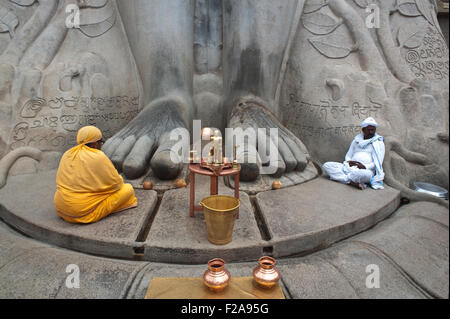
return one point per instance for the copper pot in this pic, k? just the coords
(265, 274)
(216, 278)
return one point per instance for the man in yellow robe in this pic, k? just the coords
(89, 187)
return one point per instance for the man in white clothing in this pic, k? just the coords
(363, 161)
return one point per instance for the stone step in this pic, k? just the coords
(416, 241)
(26, 203)
(285, 222)
(176, 237)
(316, 214)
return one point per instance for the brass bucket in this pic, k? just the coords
(220, 213)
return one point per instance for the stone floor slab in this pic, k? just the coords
(29, 269)
(40, 271)
(10, 247)
(264, 182)
(417, 245)
(429, 210)
(341, 272)
(176, 237)
(318, 213)
(158, 185)
(357, 263)
(315, 278)
(26, 202)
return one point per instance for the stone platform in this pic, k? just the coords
(286, 222)
(410, 248)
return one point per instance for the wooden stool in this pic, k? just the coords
(214, 183)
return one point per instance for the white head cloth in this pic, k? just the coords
(370, 121)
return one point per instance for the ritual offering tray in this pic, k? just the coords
(216, 168)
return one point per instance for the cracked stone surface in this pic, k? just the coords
(176, 236)
(408, 244)
(289, 221)
(31, 269)
(306, 216)
(36, 216)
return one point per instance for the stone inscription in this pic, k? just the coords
(325, 109)
(348, 130)
(52, 123)
(34, 106)
(430, 60)
(67, 121)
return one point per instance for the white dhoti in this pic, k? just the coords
(368, 152)
(343, 173)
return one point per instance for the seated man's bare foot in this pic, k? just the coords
(357, 185)
(292, 154)
(146, 139)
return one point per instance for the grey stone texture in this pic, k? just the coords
(30, 269)
(70, 77)
(340, 73)
(35, 215)
(265, 182)
(416, 244)
(340, 273)
(432, 211)
(176, 237)
(313, 69)
(294, 220)
(316, 214)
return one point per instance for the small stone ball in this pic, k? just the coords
(147, 185)
(180, 183)
(276, 185)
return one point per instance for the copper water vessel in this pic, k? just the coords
(216, 278)
(265, 274)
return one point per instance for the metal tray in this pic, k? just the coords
(431, 189)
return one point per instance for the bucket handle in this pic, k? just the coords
(203, 205)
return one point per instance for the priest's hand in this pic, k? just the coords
(357, 164)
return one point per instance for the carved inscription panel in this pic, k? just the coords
(51, 124)
(430, 60)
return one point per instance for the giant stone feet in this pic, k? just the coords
(146, 139)
(271, 155)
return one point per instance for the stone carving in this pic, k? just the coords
(246, 88)
(319, 23)
(408, 8)
(314, 5)
(311, 68)
(410, 38)
(7, 162)
(428, 59)
(50, 85)
(369, 83)
(8, 21)
(334, 46)
(98, 17)
(23, 2)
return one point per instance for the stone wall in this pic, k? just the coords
(63, 79)
(318, 66)
(443, 22)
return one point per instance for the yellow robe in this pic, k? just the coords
(89, 187)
